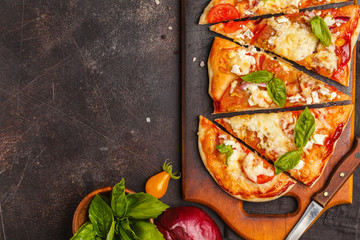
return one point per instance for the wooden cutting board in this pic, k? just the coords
(198, 185)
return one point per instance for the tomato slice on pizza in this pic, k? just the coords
(275, 134)
(223, 10)
(231, 89)
(237, 170)
(320, 40)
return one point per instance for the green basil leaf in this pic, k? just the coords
(105, 199)
(304, 128)
(111, 233)
(101, 216)
(262, 76)
(85, 232)
(277, 91)
(226, 149)
(123, 234)
(125, 224)
(321, 30)
(118, 199)
(144, 206)
(287, 161)
(145, 230)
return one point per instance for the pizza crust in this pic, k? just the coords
(219, 80)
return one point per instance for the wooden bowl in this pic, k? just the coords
(81, 214)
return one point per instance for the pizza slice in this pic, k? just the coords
(224, 10)
(233, 88)
(278, 135)
(320, 40)
(237, 170)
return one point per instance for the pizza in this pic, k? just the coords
(223, 10)
(237, 170)
(320, 40)
(272, 135)
(228, 63)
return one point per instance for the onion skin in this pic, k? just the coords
(187, 223)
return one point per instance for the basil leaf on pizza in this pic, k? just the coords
(225, 149)
(277, 91)
(262, 76)
(287, 161)
(321, 30)
(304, 128)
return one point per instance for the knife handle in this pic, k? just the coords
(340, 175)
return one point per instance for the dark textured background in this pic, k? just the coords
(78, 80)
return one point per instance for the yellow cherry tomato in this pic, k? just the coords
(158, 184)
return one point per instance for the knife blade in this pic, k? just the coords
(339, 176)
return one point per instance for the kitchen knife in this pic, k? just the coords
(339, 176)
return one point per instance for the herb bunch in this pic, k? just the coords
(122, 217)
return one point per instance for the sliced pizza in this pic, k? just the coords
(320, 40)
(236, 169)
(276, 135)
(231, 65)
(224, 10)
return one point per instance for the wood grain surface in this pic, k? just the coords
(198, 186)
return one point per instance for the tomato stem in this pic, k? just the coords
(167, 167)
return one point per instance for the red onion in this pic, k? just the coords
(187, 223)
(342, 19)
(246, 85)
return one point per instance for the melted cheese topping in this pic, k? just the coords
(329, 20)
(277, 4)
(243, 35)
(269, 130)
(292, 40)
(296, 98)
(253, 170)
(326, 58)
(243, 62)
(258, 97)
(315, 139)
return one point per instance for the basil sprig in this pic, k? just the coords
(275, 86)
(304, 129)
(225, 149)
(321, 30)
(125, 217)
